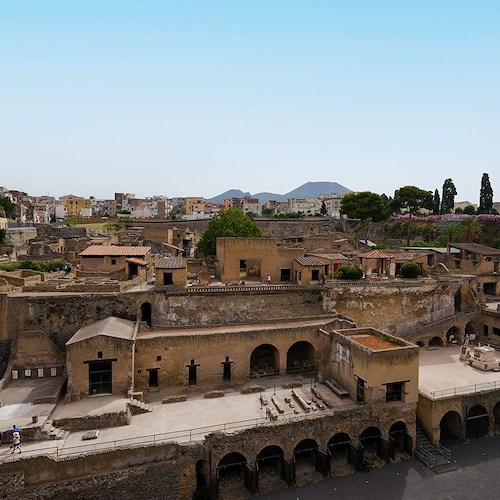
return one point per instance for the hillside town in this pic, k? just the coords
(227, 351)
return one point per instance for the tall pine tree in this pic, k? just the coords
(485, 195)
(448, 196)
(437, 203)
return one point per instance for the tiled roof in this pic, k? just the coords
(109, 327)
(139, 262)
(309, 261)
(329, 256)
(376, 254)
(115, 251)
(171, 263)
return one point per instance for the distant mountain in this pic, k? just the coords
(307, 190)
(232, 193)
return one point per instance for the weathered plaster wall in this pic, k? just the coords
(394, 309)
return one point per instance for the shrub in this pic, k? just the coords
(349, 273)
(410, 270)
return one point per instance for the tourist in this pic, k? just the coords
(16, 440)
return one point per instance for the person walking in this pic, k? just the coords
(16, 440)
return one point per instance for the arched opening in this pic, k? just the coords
(471, 330)
(338, 448)
(453, 335)
(202, 490)
(304, 456)
(369, 443)
(420, 343)
(231, 474)
(264, 361)
(477, 422)
(436, 342)
(146, 313)
(397, 434)
(496, 415)
(268, 466)
(450, 428)
(300, 358)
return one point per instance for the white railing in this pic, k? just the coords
(465, 389)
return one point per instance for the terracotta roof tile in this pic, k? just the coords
(115, 250)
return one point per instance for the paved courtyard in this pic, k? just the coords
(440, 369)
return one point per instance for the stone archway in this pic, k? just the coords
(231, 472)
(451, 430)
(300, 358)
(436, 342)
(147, 314)
(369, 441)
(397, 433)
(264, 361)
(268, 466)
(471, 329)
(304, 456)
(453, 336)
(338, 448)
(477, 422)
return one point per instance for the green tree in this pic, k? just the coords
(448, 197)
(446, 234)
(323, 210)
(366, 206)
(469, 210)
(229, 223)
(470, 230)
(7, 207)
(437, 203)
(410, 270)
(411, 199)
(485, 195)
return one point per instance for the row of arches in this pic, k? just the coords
(273, 469)
(265, 359)
(453, 336)
(478, 423)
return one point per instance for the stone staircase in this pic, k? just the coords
(137, 407)
(438, 458)
(49, 431)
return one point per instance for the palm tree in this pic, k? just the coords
(470, 229)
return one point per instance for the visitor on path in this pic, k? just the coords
(16, 440)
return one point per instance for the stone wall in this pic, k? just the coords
(169, 470)
(19, 236)
(395, 309)
(91, 422)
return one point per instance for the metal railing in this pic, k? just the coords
(186, 435)
(465, 389)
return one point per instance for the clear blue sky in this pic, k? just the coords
(197, 97)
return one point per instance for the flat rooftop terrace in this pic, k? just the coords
(442, 374)
(184, 421)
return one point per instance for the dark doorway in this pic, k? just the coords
(458, 301)
(453, 335)
(285, 275)
(202, 490)
(300, 358)
(436, 342)
(471, 330)
(489, 288)
(231, 474)
(100, 378)
(268, 466)
(192, 372)
(226, 370)
(338, 447)
(146, 313)
(369, 439)
(397, 434)
(451, 428)
(153, 377)
(168, 279)
(315, 275)
(264, 361)
(477, 422)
